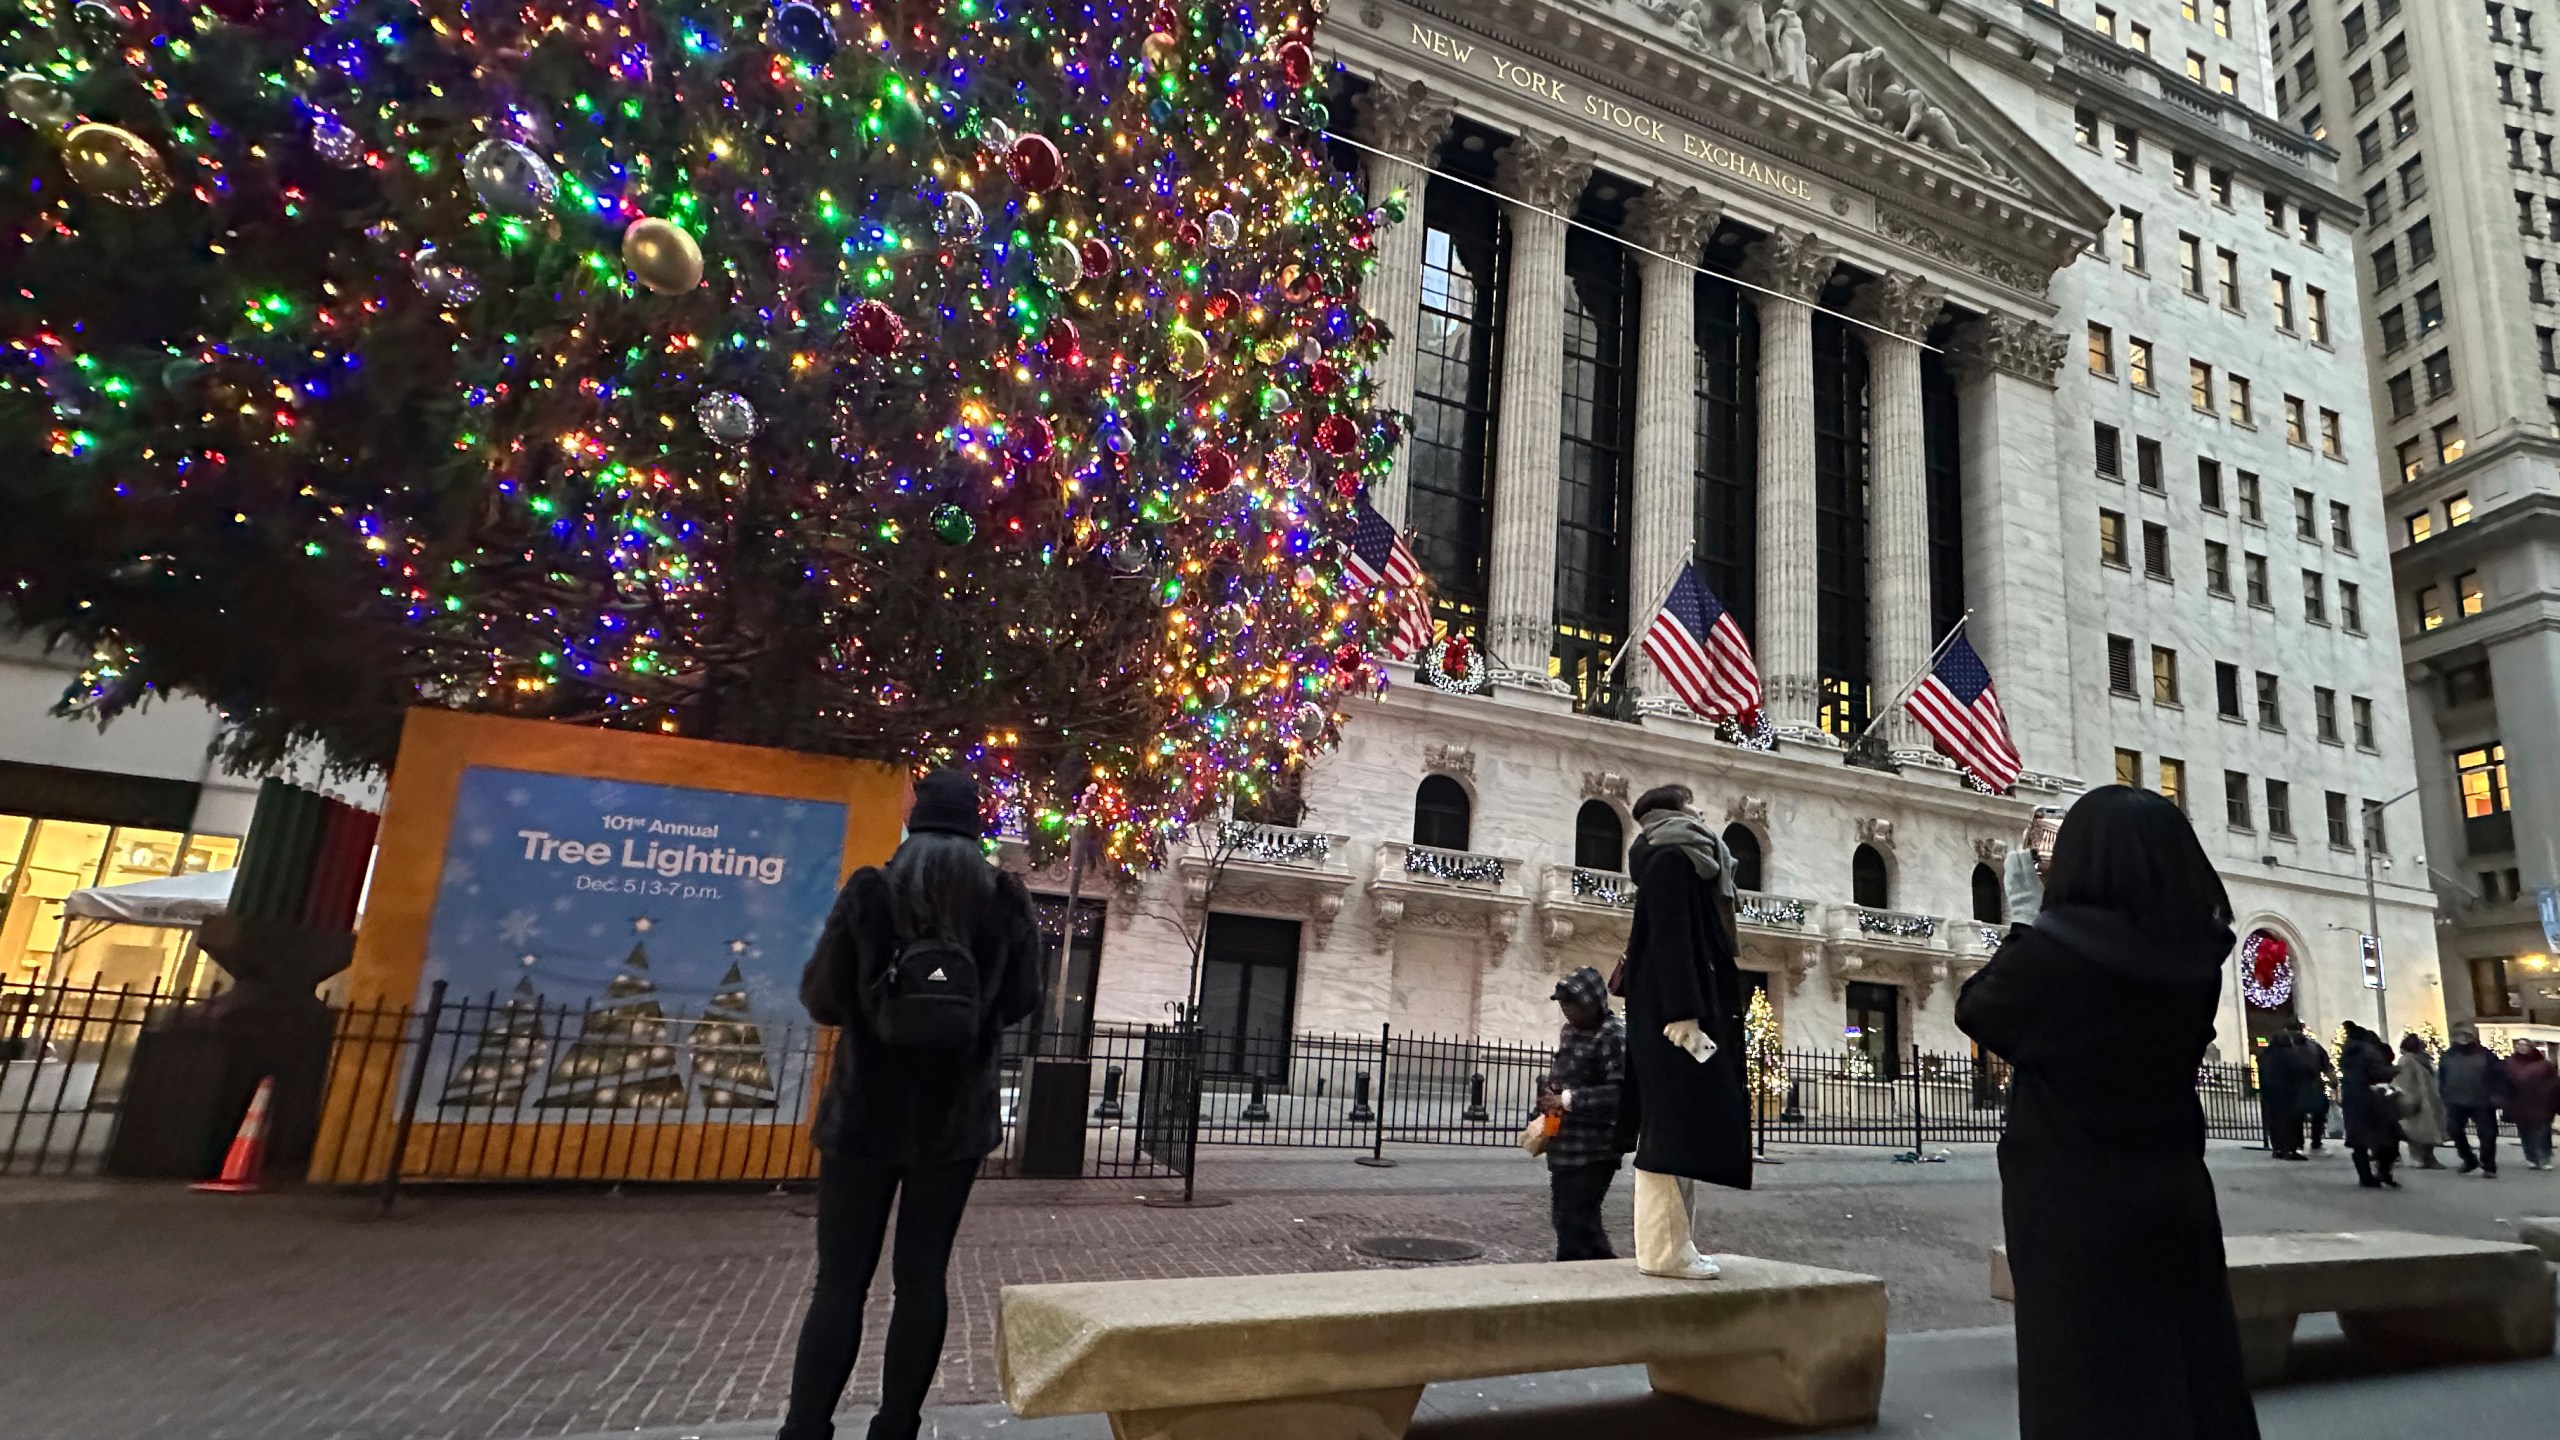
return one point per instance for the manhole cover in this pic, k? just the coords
(1428, 1249)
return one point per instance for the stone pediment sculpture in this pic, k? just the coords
(1792, 44)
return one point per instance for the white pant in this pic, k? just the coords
(1663, 1222)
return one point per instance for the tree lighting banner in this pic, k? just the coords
(619, 920)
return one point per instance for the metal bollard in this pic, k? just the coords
(1361, 1114)
(1476, 1113)
(1255, 1112)
(1794, 1113)
(1109, 1109)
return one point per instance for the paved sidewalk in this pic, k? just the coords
(148, 1313)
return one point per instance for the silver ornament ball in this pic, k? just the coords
(725, 416)
(509, 178)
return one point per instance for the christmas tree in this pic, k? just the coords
(622, 1059)
(509, 1051)
(1764, 1048)
(982, 379)
(730, 1070)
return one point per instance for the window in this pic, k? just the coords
(2369, 144)
(2129, 240)
(2360, 86)
(2422, 243)
(2360, 714)
(2200, 386)
(2146, 457)
(2342, 527)
(2315, 305)
(2229, 81)
(1870, 883)
(2480, 777)
(2524, 30)
(2306, 516)
(2334, 807)
(2111, 538)
(2102, 350)
(2377, 203)
(2110, 452)
(2449, 442)
(2546, 344)
(2270, 702)
(2412, 456)
(2250, 509)
(2350, 607)
(2296, 431)
(2218, 180)
(2354, 27)
(2413, 180)
(2226, 272)
(2430, 608)
(2280, 294)
(2183, 166)
(2395, 57)
(2222, 18)
(2137, 368)
(2466, 593)
(2421, 526)
(2195, 66)
(1746, 856)
(2254, 567)
(2139, 37)
(2191, 264)
(2217, 568)
(2439, 368)
(2457, 510)
(2120, 666)
(2173, 782)
(2209, 485)
(2128, 145)
(1599, 838)
(2155, 550)
(2490, 993)
(2129, 767)
(2238, 391)
(1443, 816)
(2275, 210)
(2324, 713)
(2404, 118)
(2402, 390)
(2084, 126)
(2235, 800)
(2226, 689)
(2333, 439)
(2164, 675)
(1456, 399)
(2315, 598)
(2374, 837)
(2386, 267)
(2105, 21)
(2280, 809)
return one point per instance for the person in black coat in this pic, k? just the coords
(2279, 1085)
(2104, 1004)
(1684, 1110)
(2366, 1068)
(900, 1123)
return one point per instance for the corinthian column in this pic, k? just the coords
(1676, 223)
(1792, 266)
(1543, 176)
(2009, 429)
(1405, 119)
(1902, 308)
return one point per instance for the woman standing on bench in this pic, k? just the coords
(2103, 999)
(921, 965)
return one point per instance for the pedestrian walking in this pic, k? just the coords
(2314, 1074)
(1581, 1091)
(2371, 1106)
(2533, 1092)
(2474, 1086)
(2105, 1005)
(2421, 1104)
(922, 964)
(2279, 1087)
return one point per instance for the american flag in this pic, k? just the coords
(1695, 643)
(1961, 711)
(1379, 556)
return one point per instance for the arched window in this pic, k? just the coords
(1990, 905)
(1746, 856)
(1868, 883)
(1599, 841)
(1442, 815)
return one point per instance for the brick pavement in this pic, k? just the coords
(144, 1313)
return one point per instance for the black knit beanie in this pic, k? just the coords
(947, 803)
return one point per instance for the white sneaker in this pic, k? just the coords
(1693, 1267)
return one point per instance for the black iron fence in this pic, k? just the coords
(507, 1089)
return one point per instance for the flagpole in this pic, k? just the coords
(1913, 683)
(1635, 637)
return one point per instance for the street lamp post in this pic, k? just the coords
(2373, 913)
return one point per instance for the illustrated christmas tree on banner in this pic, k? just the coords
(981, 379)
(624, 1057)
(730, 1068)
(507, 1055)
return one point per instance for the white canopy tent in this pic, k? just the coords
(172, 902)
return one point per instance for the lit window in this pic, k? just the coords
(2430, 608)
(2466, 590)
(2421, 526)
(2138, 362)
(2102, 350)
(2457, 510)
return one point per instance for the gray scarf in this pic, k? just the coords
(1686, 833)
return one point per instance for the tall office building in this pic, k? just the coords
(2443, 112)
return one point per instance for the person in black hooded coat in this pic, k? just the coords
(2103, 1002)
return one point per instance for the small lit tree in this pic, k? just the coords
(1764, 1050)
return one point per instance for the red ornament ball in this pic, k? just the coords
(1338, 435)
(1323, 377)
(1035, 164)
(1063, 341)
(877, 328)
(1165, 20)
(1095, 252)
(1189, 235)
(1367, 334)
(1349, 658)
(1347, 484)
(1032, 439)
(1297, 63)
(1224, 304)
(1213, 469)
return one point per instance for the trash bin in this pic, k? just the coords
(1053, 1118)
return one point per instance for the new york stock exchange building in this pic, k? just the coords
(1884, 316)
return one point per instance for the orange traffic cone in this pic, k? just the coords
(241, 1168)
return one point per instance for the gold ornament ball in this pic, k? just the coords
(1160, 49)
(1188, 350)
(114, 164)
(662, 255)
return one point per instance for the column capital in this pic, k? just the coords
(1900, 305)
(1675, 222)
(1405, 118)
(1545, 171)
(2027, 349)
(1793, 263)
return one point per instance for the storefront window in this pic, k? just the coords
(43, 861)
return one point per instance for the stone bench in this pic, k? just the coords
(2397, 1295)
(1345, 1355)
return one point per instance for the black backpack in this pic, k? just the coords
(921, 993)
